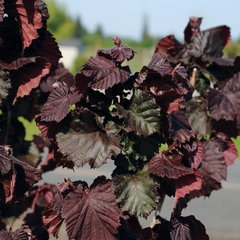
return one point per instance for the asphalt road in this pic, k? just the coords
(220, 213)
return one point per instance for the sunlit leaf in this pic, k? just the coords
(104, 73)
(168, 165)
(92, 213)
(28, 15)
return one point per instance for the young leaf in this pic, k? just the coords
(135, 193)
(92, 213)
(118, 53)
(103, 73)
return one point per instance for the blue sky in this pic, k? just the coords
(124, 18)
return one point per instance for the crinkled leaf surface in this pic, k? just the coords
(185, 185)
(81, 141)
(30, 75)
(198, 118)
(225, 104)
(5, 84)
(183, 228)
(172, 46)
(104, 73)
(118, 53)
(92, 213)
(51, 220)
(28, 16)
(142, 116)
(135, 193)
(57, 105)
(50, 50)
(168, 165)
(160, 64)
(210, 42)
(213, 169)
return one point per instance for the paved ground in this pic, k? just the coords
(220, 213)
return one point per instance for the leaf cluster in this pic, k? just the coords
(106, 112)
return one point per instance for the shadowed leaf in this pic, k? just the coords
(142, 116)
(135, 193)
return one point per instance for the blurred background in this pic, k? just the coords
(82, 27)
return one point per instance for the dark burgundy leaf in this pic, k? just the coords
(213, 169)
(180, 128)
(61, 76)
(201, 230)
(160, 64)
(148, 234)
(170, 101)
(192, 28)
(57, 105)
(26, 177)
(183, 228)
(210, 42)
(227, 127)
(227, 146)
(92, 213)
(184, 186)
(24, 233)
(225, 104)
(103, 73)
(28, 15)
(168, 165)
(81, 140)
(51, 219)
(162, 229)
(29, 76)
(170, 45)
(50, 50)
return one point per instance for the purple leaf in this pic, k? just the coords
(168, 165)
(57, 105)
(92, 213)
